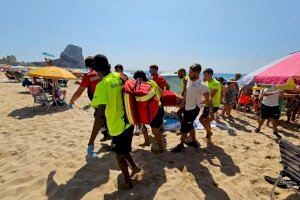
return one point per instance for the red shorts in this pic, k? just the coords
(245, 99)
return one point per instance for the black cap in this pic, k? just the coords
(89, 62)
(101, 63)
(208, 70)
(196, 67)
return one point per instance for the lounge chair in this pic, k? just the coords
(290, 155)
(40, 96)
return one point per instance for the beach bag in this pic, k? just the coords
(170, 98)
(140, 101)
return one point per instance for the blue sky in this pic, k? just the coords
(227, 35)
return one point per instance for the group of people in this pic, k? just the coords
(105, 92)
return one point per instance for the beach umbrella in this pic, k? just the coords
(52, 72)
(281, 72)
(277, 72)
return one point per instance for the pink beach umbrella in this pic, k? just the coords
(277, 72)
(280, 72)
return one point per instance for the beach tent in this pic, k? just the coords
(277, 72)
(173, 80)
(18, 68)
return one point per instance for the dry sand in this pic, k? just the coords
(43, 156)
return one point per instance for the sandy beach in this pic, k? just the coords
(43, 156)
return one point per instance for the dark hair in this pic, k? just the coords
(119, 66)
(196, 67)
(140, 74)
(89, 62)
(154, 67)
(101, 63)
(182, 70)
(209, 70)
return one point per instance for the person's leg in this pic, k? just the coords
(135, 168)
(275, 124)
(155, 126)
(289, 115)
(124, 168)
(206, 124)
(179, 114)
(224, 110)
(294, 113)
(228, 111)
(146, 136)
(158, 139)
(260, 123)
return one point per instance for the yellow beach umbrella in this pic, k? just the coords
(52, 72)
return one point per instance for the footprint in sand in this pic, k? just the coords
(2, 180)
(261, 191)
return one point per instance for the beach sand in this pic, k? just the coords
(43, 156)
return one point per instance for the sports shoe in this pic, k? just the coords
(90, 151)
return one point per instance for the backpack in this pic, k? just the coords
(140, 101)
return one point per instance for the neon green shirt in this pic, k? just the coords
(214, 84)
(184, 80)
(109, 92)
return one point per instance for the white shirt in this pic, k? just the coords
(271, 100)
(194, 94)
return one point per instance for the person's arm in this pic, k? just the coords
(269, 93)
(184, 86)
(208, 101)
(241, 90)
(183, 100)
(77, 94)
(98, 123)
(288, 95)
(167, 86)
(213, 93)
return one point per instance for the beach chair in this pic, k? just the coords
(290, 155)
(39, 96)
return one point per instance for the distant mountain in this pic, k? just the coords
(71, 57)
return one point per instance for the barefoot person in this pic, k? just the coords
(191, 104)
(230, 96)
(109, 103)
(215, 91)
(158, 119)
(270, 109)
(184, 79)
(89, 81)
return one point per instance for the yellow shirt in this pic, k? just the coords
(214, 84)
(184, 81)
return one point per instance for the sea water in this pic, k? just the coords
(175, 82)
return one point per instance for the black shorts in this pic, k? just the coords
(123, 141)
(158, 119)
(206, 111)
(270, 112)
(188, 120)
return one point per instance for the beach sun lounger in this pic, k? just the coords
(39, 96)
(290, 155)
